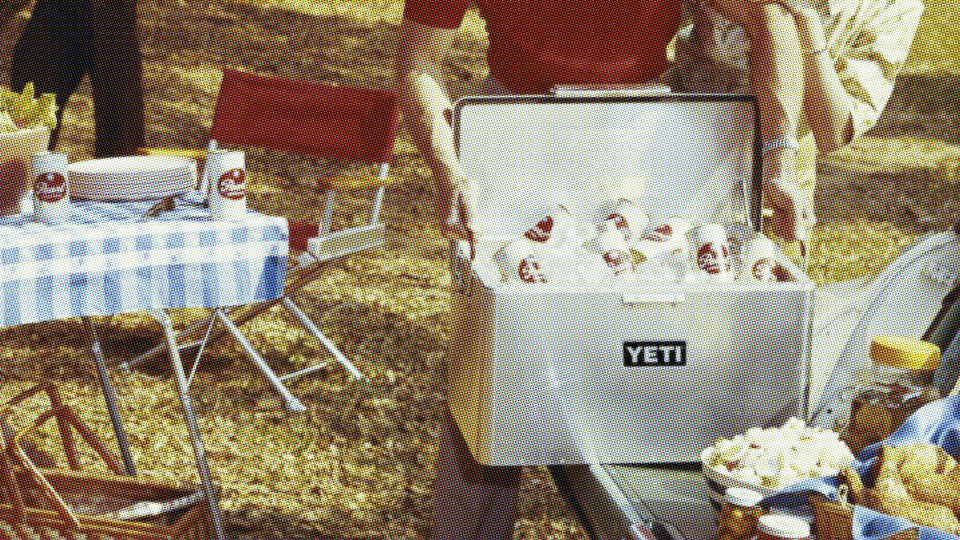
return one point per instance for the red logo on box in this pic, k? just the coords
(50, 187)
(233, 184)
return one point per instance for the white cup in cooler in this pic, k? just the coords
(518, 262)
(667, 238)
(226, 175)
(759, 261)
(615, 251)
(629, 218)
(712, 254)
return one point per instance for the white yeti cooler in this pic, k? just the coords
(547, 374)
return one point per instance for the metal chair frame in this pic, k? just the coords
(327, 245)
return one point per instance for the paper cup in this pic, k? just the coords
(227, 177)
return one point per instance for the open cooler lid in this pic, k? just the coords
(689, 155)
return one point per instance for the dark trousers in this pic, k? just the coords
(472, 501)
(66, 40)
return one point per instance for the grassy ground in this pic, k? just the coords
(360, 462)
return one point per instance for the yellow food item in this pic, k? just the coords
(23, 110)
(932, 475)
(904, 352)
(919, 512)
(917, 482)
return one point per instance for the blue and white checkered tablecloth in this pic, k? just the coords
(107, 261)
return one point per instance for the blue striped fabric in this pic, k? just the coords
(106, 262)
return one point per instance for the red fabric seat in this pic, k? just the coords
(300, 233)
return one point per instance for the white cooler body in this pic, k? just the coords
(559, 374)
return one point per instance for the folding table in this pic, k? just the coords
(110, 261)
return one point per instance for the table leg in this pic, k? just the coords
(183, 391)
(110, 396)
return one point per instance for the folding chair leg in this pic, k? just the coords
(290, 401)
(110, 396)
(162, 347)
(329, 345)
(203, 468)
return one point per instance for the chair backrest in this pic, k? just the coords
(347, 123)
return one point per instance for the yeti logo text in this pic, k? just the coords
(654, 353)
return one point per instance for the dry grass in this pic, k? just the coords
(360, 462)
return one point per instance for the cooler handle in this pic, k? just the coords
(644, 299)
(609, 90)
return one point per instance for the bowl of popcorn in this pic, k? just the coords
(769, 460)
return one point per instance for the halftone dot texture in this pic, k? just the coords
(360, 463)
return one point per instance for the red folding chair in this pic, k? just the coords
(347, 124)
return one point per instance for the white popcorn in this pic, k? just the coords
(779, 457)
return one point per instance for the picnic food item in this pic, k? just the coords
(713, 252)
(518, 262)
(629, 218)
(25, 124)
(759, 261)
(51, 188)
(227, 175)
(554, 225)
(900, 383)
(917, 482)
(23, 110)
(777, 527)
(926, 471)
(740, 514)
(778, 457)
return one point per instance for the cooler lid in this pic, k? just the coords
(689, 155)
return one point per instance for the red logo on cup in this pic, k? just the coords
(621, 223)
(660, 234)
(530, 271)
(50, 187)
(233, 184)
(710, 259)
(617, 260)
(541, 231)
(764, 270)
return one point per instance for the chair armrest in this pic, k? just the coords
(354, 183)
(198, 155)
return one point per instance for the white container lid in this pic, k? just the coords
(784, 527)
(679, 155)
(746, 498)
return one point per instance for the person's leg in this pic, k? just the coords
(472, 501)
(116, 76)
(53, 52)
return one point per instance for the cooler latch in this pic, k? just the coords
(643, 299)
